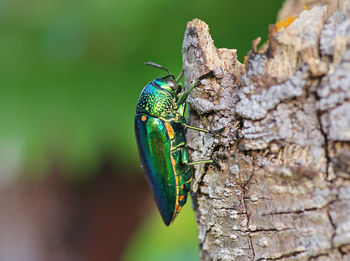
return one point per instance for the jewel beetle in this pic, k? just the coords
(160, 134)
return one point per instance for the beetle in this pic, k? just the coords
(160, 134)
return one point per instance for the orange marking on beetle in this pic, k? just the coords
(169, 130)
(181, 198)
(182, 186)
(178, 209)
(173, 162)
(143, 118)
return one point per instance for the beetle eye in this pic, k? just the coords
(172, 85)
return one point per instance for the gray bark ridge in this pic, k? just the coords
(282, 191)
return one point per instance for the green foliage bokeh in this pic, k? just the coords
(71, 71)
(156, 242)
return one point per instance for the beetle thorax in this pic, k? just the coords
(155, 101)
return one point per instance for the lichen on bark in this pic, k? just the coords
(282, 189)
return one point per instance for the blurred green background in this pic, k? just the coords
(71, 72)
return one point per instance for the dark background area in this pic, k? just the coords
(71, 186)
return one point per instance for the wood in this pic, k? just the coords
(283, 188)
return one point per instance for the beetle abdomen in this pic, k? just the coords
(154, 149)
(164, 158)
(154, 101)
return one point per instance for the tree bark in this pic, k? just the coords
(282, 191)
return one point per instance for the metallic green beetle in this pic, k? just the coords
(160, 133)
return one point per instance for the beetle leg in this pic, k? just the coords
(204, 130)
(205, 161)
(185, 157)
(199, 162)
(195, 128)
(183, 96)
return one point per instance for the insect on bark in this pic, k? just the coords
(160, 133)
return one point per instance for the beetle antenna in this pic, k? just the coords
(159, 67)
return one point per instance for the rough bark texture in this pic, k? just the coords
(283, 189)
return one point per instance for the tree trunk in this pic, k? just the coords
(282, 191)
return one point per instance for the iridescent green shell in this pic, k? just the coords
(155, 101)
(161, 142)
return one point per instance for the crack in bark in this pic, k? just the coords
(245, 191)
(317, 256)
(269, 230)
(293, 212)
(322, 130)
(206, 235)
(261, 230)
(340, 249)
(228, 208)
(332, 223)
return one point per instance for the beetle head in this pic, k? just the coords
(168, 82)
